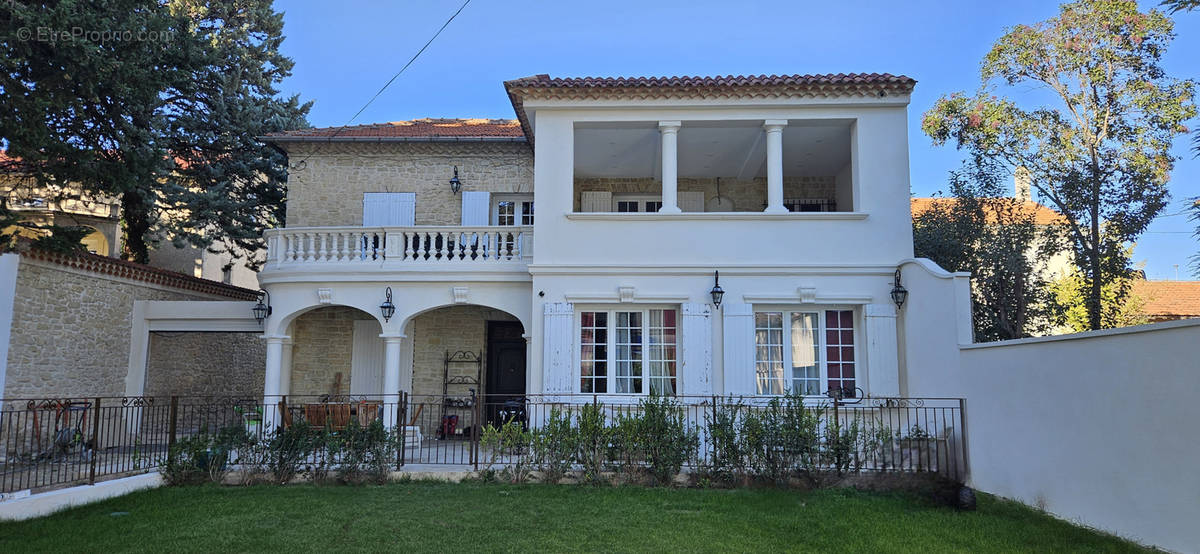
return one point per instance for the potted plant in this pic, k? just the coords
(251, 419)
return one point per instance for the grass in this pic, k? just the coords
(427, 516)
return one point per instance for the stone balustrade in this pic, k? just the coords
(458, 245)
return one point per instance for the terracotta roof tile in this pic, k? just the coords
(1169, 299)
(1042, 215)
(545, 81)
(427, 128)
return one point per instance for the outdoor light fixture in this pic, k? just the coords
(717, 292)
(387, 308)
(455, 184)
(899, 293)
(261, 311)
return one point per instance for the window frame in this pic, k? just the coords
(518, 200)
(611, 359)
(822, 353)
(641, 199)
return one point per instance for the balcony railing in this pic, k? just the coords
(408, 245)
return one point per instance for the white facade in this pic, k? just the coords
(807, 302)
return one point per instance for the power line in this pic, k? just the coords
(394, 77)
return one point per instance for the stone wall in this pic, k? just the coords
(747, 195)
(328, 191)
(322, 344)
(451, 329)
(205, 364)
(71, 330)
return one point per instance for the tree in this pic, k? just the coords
(160, 114)
(228, 185)
(78, 110)
(999, 241)
(1121, 309)
(1101, 155)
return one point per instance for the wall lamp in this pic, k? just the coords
(455, 184)
(260, 310)
(899, 293)
(717, 292)
(387, 308)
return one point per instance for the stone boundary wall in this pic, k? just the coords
(72, 321)
(205, 364)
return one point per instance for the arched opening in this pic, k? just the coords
(460, 348)
(336, 351)
(95, 242)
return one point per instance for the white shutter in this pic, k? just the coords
(739, 348)
(475, 208)
(402, 207)
(558, 330)
(374, 209)
(389, 209)
(695, 370)
(595, 201)
(691, 201)
(366, 359)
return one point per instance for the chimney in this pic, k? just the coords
(1021, 186)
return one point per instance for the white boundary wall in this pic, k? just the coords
(1100, 428)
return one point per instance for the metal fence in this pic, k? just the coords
(49, 443)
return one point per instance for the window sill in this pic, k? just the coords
(711, 216)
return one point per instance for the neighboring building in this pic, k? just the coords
(795, 188)
(102, 215)
(1053, 267)
(1167, 300)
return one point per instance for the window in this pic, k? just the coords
(513, 209)
(639, 346)
(791, 361)
(632, 203)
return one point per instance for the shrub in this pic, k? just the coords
(726, 455)
(781, 439)
(510, 439)
(287, 450)
(593, 440)
(553, 446)
(665, 439)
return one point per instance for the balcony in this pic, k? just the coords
(331, 250)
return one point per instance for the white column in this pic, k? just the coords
(558, 320)
(391, 378)
(285, 367)
(670, 166)
(739, 348)
(883, 356)
(774, 129)
(695, 371)
(271, 382)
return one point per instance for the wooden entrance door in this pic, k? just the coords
(505, 384)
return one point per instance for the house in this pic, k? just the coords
(1052, 267)
(412, 248)
(1167, 300)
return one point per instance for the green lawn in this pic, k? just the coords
(472, 517)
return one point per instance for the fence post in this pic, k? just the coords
(966, 451)
(172, 417)
(402, 418)
(95, 442)
(475, 430)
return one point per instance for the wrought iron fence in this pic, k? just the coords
(48, 443)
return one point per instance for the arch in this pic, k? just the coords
(95, 241)
(492, 306)
(280, 324)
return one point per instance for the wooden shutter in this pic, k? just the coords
(366, 359)
(389, 209)
(595, 201)
(691, 201)
(475, 208)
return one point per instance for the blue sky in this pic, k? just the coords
(345, 51)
